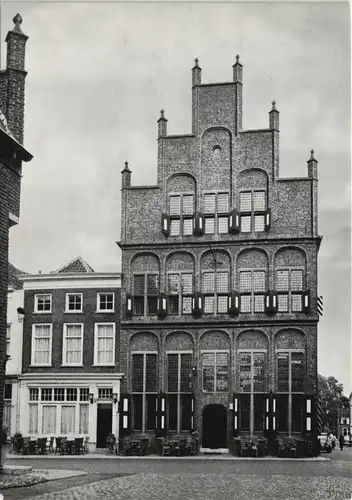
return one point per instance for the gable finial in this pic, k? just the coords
(17, 20)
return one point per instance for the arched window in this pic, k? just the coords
(252, 189)
(252, 267)
(290, 267)
(215, 267)
(180, 279)
(145, 282)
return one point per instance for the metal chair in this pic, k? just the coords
(42, 445)
(79, 443)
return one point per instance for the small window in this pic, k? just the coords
(34, 394)
(74, 302)
(105, 393)
(59, 394)
(106, 302)
(43, 303)
(84, 394)
(46, 394)
(71, 394)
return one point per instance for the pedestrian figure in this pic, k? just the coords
(342, 441)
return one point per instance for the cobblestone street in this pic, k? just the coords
(193, 479)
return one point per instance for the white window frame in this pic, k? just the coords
(51, 344)
(99, 310)
(67, 310)
(36, 303)
(64, 344)
(96, 325)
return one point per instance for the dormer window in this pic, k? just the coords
(181, 210)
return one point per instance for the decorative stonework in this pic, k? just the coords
(252, 340)
(290, 339)
(144, 342)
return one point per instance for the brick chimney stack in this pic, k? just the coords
(274, 117)
(12, 80)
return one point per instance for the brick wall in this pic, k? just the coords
(58, 317)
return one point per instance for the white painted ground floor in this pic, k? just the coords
(69, 404)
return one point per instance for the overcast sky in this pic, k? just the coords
(98, 75)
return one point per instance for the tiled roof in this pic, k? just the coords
(13, 280)
(77, 265)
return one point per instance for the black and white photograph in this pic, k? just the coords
(175, 250)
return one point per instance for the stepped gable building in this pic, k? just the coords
(219, 288)
(70, 382)
(12, 154)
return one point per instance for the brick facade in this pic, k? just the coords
(12, 154)
(219, 157)
(78, 362)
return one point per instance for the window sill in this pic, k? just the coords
(42, 312)
(71, 364)
(40, 365)
(72, 312)
(105, 311)
(104, 364)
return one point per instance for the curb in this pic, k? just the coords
(157, 457)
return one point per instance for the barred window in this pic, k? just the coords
(252, 208)
(259, 303)
(245, 224)
(152, 284)
(296, 280)
(282, 280)
(175, 205)
(208, 282)
(296, 302)
(105, 393)
(245, 281)
(215, 371)
(222, 282)
(181, 209)
(174, 227)
(246, 303)
(187, 204)
(290, 371)
(209, 305)
(179, 387)
(179, 286)
(259, 223)
(209, 225)
(71, 394)
(222, 225)
(289, 281)
(222, 304)
(139, 282)
(84, 394)
(173, 283)
(188, 227)
(246, 202)
(186, 305)
(223, 203)
(209, 203)
(187, 283)
(253, 367)
(259, 281)
(144, 383)
(259, 201)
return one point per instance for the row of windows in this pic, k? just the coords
(252, 204)
(67, 394)
(215, 287)
(74, 302)
(72, 350)
(252, 365)
(58, 419)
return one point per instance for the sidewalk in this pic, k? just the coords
(97, 456)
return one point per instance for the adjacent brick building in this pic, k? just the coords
(70, 382)
(12, 154)
(219, 281)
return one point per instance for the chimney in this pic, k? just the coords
(126, 176)
(162, 125)
(237, 78)
(274, 117)
(196, 73)
(15, 81)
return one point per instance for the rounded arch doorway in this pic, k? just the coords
(214, 426)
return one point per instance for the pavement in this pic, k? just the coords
(204, 478)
